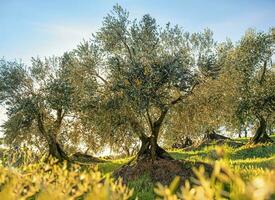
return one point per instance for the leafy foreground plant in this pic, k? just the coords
(223, 184)
(55, 181)
(61, 181)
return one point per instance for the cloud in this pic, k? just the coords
(64, 37)
(66, 31)
(55, 39)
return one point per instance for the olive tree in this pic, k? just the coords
(241, 93)
(252, 67)
(36, 98)
(148, 69)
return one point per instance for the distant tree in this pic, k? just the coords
(253, 70)
(242, 93)
(205, 110)
(36, 98)
(83, 74)
(244, 90)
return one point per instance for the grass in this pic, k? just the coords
(246, 139)
(111, 165)
(248, 161)
(143, 188)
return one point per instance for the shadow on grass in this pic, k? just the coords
(246, 139)
(265, 163)
(257, 151)
(195, 156)
(109, 166)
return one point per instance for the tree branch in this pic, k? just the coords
(96, 74)
(185, 95)
(40, 125)
(263, 73)
(161, 118)
(125, 44)
(101, 78)
(149, 119)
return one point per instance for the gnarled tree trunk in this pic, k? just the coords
(55, 149)
(261, 135)
(245, 132)
(149, 146)
(151, 150)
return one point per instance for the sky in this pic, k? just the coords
(30, 28)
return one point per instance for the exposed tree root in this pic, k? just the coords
(264, 139)
(214, 139)
(81, 158)
(261, 135)
(161, 170)
(145, 153)
(185, 142)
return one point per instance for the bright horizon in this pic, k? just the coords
(44, 28)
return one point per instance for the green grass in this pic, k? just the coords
(111, 165)
(248, 161)
(246, 139)
(143, 188)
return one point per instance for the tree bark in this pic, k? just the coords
(55, 149)
(154, 151)
(245, 132)
(149, 146)
(150, 150)
(261, 135)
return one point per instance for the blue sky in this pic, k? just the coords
(36, 27)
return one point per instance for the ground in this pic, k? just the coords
(248, 161)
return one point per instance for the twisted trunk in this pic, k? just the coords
(261, 135)
(151, 150)
(240, 134)
(149, 147)
(55, 149)
(245, 132)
